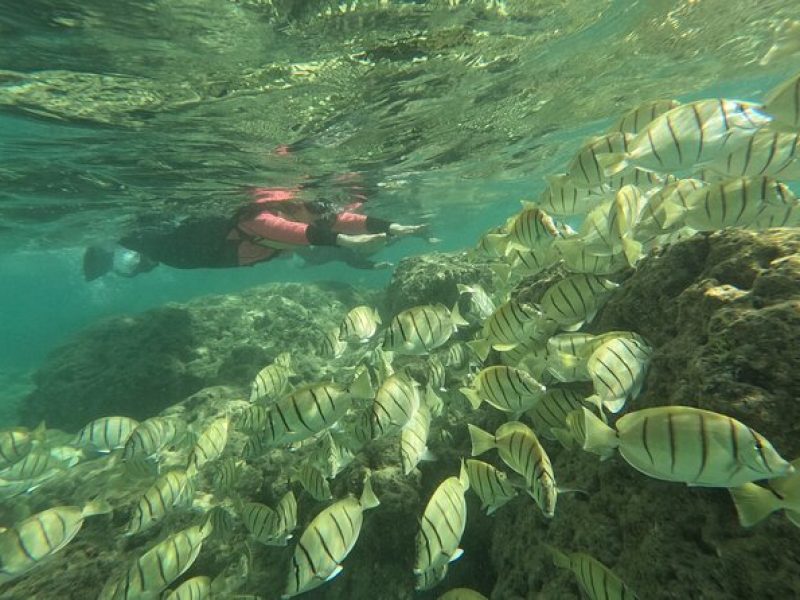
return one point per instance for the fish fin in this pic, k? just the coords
(368, 498)
(463, 477)
(612, 163)
(633, 250)
(504, 347)
(576, 326)
(455, 317)
(98, 506)
(572, 491)
(456, 555)
(473, 397)
(563, 436)
(335, 572)
(497, 242)
(591, 433)
(501, 270)
(480, 347)
(559, 558)
(361, 387)
(39, 432)
(464, 289)
(753, 503)
(427, 455)
(482, 441)
(614, 405)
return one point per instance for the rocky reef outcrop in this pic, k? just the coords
(138, 365)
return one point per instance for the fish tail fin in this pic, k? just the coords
(361, 387)
(480, 347)
(456, 318)
(368, 498)
(98, 506)
(612, 163)
(464, 289)
(473, 397)
(559, 558)
(463, 476)
(632, 249)
(753, 503)
(591, 433)
(497, 242)
(39, 432)
(482, 441)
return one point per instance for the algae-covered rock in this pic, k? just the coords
(723, 314)
(432, 278)
(137, 365)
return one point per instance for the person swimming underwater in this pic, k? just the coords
(274, 223)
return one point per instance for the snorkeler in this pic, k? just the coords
(275, 222)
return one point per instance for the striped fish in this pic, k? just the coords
(430, 578)
(442, 524)
(492, 244)
(578, 259)
(525, 261)
(149, 437)
(549, 415)
(331, 457)
(414, 439)
(532, 227)
(608, 229)
(253, 419)
(767, 153)
(581, 344)
(755, 503)
(436, 375)
(595, 579)
(511, 324)
(37, 463)
(490, 484)
(172, 490)
(396, 401)
(618, 368)
(38, 537)
(420, 329)
(359, 325)
(682, 443)
(457, 356)
(585, 170)
(480, 305)
(663, 212)
(563, 198)
(221, 522)
(644, 180)
(783, 103)
(271, 381)
(16, 443)
(314, 483)
(196, 588)
(506, 388)
(576, 298)
(154, 570)
(225, 473)
(106, 433)
(327, 541)
(331, 346)
(687, 136)
(521, 450)
(262, 522)
(210, 444)
(741, 202)
(638, 117)
(287, 516)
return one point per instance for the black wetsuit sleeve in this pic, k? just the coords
(376, 225)
(320, 236)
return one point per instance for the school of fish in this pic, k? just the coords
(664, 171)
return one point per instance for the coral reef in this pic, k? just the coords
(138, 365)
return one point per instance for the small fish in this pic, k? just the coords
(210, 444)
(149, 437)
(481, 306)
(442, 524)
(665, 209)
(196, 588)
(531, 228)
(767, 153)
(688, 135)
(457, 356)
(106, 433)
(331, 457)
(578, 259)
(585, 169)
(521, 450)
(755, 503)
(682, 443)
(327, 541)
(420, 329)
(462, 594)
(314, 483)
(638, 117)
(174, 489)
(225, 473)
(253, 419)
(527, 261)
(618, 368)
(359, 325)
(745, 202)
(154, 570)
(576, 298)
(563, 198)
(490, 484)
(511, 324)
(436, 373)
(262, 522)
(414, 439)
(549, 415)
(506, 388)
(332, 346)
(40, 536)
(783, 103)
(16, 443)
(271, 381)
(395, 403)
(596, 580)
(221, 522)
(644, 180)
(287, 516)
(37, 463)
(492, 244)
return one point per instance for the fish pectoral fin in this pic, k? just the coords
(334, 573)
(456, 555)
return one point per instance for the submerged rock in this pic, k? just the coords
(138, 365)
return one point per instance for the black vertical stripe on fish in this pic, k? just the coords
(307, 555)
(653, 147)
(625, 364)
(672, 448)
(772, 149)
(46, 537)
(575, 287)
(435, 531)
(760, 448)
(674, 139)
(724, 113)
(699, 120)
(316, 403)
(286, 427)
(160, 563)
(567, 300)
(446, 516)
(324, 544)
(707, 205)
(745, 196)
(797, 101)
(703, 445)
(723, 199)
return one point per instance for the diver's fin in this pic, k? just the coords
(97, 261)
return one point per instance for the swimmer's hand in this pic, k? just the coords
(366, 243)
(402, 230)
